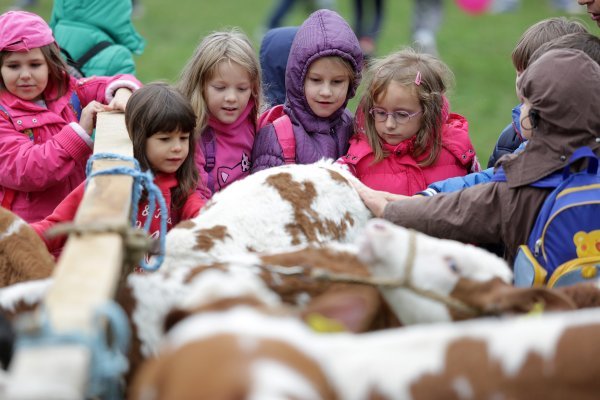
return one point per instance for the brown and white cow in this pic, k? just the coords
(23, 254)
(433, 280)
(248, 350)
(269, 211)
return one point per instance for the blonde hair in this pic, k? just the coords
(402, 67)
(217, 47)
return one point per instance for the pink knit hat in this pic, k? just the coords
(23, 31)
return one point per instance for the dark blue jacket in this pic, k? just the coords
(274, 52)
(509, 140)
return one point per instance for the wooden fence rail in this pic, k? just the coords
(85, 278)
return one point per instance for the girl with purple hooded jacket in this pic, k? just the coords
(322, 74)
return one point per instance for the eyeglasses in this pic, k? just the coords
(401, 117)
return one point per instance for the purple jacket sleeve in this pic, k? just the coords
(267, 151)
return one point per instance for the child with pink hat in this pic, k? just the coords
(46, 117)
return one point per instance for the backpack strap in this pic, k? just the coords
(285, 136)
(88, 55)
(210, 151)
(283, 129)
(579, 154)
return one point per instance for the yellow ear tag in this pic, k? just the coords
(537, 309)
(322, 324)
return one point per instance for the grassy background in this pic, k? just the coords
(477, 48)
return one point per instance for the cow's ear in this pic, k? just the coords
(352, 309)
(173, 317)
(524, 300)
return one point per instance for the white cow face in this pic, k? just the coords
(426, 263)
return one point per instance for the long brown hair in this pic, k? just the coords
(158, 107)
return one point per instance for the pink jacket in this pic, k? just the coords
(42, 155)
(65, 212)
(400, 173)
(230, 147)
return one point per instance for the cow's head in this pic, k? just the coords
(442, 280)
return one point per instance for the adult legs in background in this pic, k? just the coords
(368, 18)
(282, 8)
(427, 18)
(568, 6)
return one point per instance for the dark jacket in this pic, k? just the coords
(509, 140)
(274, 52)
(324, 33)
(564, 87)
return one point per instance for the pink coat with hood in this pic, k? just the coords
(399, 171)
(43, 149)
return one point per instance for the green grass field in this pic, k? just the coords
(477, 48)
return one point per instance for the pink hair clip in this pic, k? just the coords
(418, 78)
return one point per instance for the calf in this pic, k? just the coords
(276, 278)
(247, 350)
(271, 210)
(23, 254)
(425, 279)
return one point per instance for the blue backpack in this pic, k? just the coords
(564, 245)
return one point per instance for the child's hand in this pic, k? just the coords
(119, 102)
(88, 115)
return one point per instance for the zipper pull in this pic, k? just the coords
(538, 246)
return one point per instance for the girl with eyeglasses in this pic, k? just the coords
(406, 137)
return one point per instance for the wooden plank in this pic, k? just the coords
(90, 266)
(86, 277)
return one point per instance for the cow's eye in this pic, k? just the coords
(453, 265)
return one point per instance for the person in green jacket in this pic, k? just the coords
(100, 28)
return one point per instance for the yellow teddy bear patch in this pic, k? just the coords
(588, 244)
